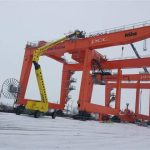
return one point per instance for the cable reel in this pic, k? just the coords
(11, 88)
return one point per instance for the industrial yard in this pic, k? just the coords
(27, 133)
(75, 75)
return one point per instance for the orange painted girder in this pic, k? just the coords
(89, 107)
(130, 85)
(126, 77)
(119, 38)
(105, 40)
(74, 67)
(100, 41)
(143, 117)
(128, 63)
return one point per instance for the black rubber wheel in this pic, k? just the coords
(148, 123)
(54, 114)
(19, 110)
(37, 114)
(82, 115)
(115, 119)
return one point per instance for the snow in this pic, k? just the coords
(28, 133)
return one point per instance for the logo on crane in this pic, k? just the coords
(145, 77)
(130, 34)
(99, 40)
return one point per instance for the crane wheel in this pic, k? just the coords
(54, 114)
(19, 110)
(115, 119)
(37, 114)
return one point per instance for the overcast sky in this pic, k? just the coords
(33, 20)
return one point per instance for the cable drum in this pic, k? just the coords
(11, 88)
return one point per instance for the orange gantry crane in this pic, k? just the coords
(94, 67)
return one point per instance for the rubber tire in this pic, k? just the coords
(115, 119)
(54, 114)
(37, 114)
(19, 110)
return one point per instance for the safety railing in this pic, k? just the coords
(129, 57)
(120, 28)
(38, 43)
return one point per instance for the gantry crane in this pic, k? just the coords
(84, 52)
(42, 106)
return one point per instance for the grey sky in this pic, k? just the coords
(22, 21)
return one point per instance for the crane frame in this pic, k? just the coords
(83, 51)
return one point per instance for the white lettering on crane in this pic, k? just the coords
(145, 77)
(99, 40)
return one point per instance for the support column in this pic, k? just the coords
(86, 82)
(24, 77)
(64, 86)
(137, 98)
(90, 89)
(118, 90)
(107, 93)
(149, 103)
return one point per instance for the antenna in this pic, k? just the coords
(144, 45)
(149, 102)
(122, 51)
(140, 101)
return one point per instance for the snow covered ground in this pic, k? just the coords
(27, 133)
